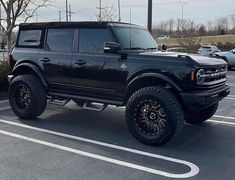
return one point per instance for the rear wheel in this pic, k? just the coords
(154, 115)
(201, 116)
(27, 96)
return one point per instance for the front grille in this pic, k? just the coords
(214, 77)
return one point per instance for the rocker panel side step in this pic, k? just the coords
(58, 102)
(94, 106)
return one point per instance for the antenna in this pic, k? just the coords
(119, 11)
(130, 28)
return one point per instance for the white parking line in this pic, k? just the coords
(194, 170)
(228, 98)
(95, 156)
(225, 117)
(221, 122)
(5, 108)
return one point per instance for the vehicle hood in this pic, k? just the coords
(194, 58)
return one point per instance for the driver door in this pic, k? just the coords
(95, 73)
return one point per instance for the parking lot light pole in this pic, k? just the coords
(182, 3)
(150, 10)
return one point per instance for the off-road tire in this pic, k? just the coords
(201, 116)
(172, 108)
(37, 94)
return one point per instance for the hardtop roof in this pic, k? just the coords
(83, 24)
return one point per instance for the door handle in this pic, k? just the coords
(80, 62)
(45, 60)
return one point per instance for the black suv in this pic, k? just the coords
(97, 64)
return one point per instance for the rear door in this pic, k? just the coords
(57, 56)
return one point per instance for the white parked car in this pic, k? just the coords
(208, 50)
(228, 56)
(164, 37)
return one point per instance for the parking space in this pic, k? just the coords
(70, 143)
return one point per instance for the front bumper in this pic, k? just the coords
(196, 101)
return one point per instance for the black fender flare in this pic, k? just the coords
(34, 68)
(154, 75)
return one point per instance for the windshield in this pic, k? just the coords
(134, 38)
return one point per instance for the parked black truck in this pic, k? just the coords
(97, 64)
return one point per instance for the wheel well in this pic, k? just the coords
(28, 70)
(148, 81)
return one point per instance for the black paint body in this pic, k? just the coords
(112, 77)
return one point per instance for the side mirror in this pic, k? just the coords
(111, 47)
(163, 47)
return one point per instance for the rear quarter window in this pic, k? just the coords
(30, 38)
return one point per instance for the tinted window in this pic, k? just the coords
(135, 38)
(92, 40)
(30, 38)
(60, 40)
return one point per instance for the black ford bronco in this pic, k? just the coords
(97, 64)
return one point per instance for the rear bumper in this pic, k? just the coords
(196, 101)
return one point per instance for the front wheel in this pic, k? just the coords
(154, 115)
(201, 116)
(27, 97)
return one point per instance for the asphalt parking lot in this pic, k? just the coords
(70, 143)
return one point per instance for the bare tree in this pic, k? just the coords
(190, 38)
(14, 9)
(222, 25)
(108, 14)
(171, 24)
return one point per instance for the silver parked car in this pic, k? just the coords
(208, 50)
(228, 56)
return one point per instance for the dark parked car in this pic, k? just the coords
(114, 64)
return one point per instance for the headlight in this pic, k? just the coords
(200, 76)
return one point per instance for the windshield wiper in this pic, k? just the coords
(151, 48)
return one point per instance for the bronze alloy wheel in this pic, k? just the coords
(27, 96)
(22, 96)
(154, 115)
(150, 117)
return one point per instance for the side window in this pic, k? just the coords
(30, 38)
(60, 40)
(92, 40)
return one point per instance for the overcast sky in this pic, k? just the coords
(198, 10)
